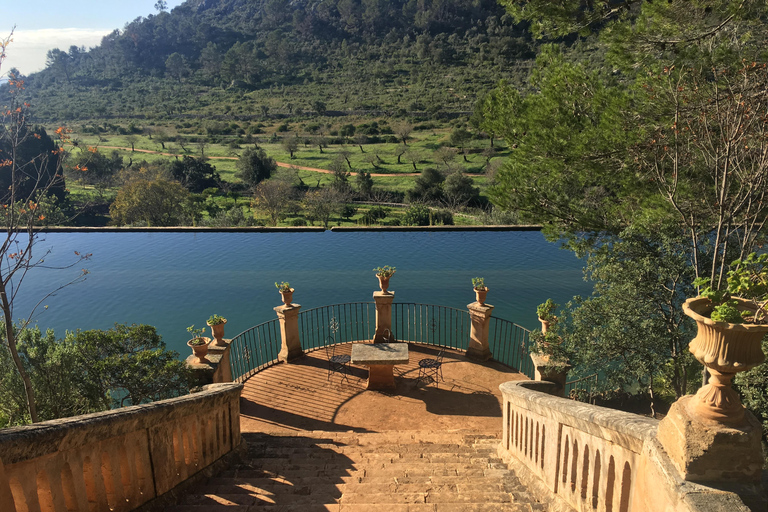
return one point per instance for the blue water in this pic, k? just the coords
(172, 280)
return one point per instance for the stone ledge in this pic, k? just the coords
(623, 428)
(32, 441)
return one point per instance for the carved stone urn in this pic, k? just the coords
(200, 349)
(287, 296)
(383, 282)
(481, 294)
(217, 330)
(725, 349)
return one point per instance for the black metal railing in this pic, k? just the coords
(510, 344)
(254, 349)
(348, 322)
(431, 325)
(258, 347)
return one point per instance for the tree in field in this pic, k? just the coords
(272, 197)
(403, 131)
(399, 152)
(364, 183)
(290, 144)
(321, 204)
(30, 175)
(254, 165)
(427, 187)
(151, 203)
(459, 190)
(195, 174)
(662, 147)
(459, 139)
(91, 166)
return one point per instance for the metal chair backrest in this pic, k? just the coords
(330, 347)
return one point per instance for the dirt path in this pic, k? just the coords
(279, 164)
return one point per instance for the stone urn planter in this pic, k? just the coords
(287, 296)
(481, 291)
(216, 323)
(384, 274)
(286, 292)
(200, 348)
(725, 349)
(383, 283)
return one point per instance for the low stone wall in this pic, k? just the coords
(117, 460)
(588, 458)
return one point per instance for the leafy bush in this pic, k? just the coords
(417, 215)
(374, 215)
(297, 222)
(442, 217)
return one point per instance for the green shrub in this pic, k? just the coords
(417, 215)
(443, 217)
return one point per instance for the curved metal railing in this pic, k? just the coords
(429, 324)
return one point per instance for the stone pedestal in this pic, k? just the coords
(708, 451)
(288, 315)
(480, 315)
(547, 370)
(216, 368)
(384, 332)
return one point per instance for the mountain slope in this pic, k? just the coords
(247, 57)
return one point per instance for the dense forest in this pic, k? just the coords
(241, 58)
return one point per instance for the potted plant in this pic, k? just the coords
(481, 291)
(286, 291)
(216, 323)
(198, 343)
(546, 314)
(384, 274)
(731, 324)
(549, 357)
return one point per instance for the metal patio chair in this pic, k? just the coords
(432, 369)
(338, 363)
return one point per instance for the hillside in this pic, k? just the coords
(249, 58)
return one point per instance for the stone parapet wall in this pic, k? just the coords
(117, 460)
(588, 458)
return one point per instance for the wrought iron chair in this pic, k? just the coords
(432, 369)
(336, 362)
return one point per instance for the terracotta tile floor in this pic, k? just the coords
(299, 396)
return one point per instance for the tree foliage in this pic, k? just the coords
(647, 142)
(89, 371)
(195, 174)
(254, 165)
(152, 203)
(174, 62)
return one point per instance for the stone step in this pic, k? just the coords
(346, 471)
(223, 486)
(367, 507)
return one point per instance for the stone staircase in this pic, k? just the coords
(345, 471)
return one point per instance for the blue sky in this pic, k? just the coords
(45, 24)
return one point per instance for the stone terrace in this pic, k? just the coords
(299, 396)
(316, 443)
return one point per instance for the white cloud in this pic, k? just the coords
(29, 47)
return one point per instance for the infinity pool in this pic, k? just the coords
(172, 280)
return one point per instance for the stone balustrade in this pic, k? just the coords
(117, 460)
(588, 458)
